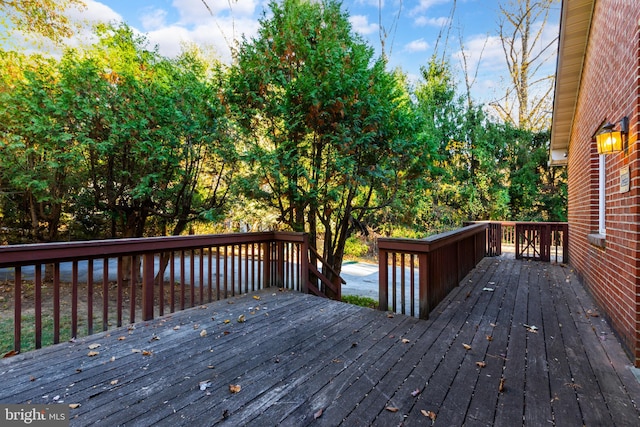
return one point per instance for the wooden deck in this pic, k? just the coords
(303, 360)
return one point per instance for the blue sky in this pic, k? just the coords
(412, 28)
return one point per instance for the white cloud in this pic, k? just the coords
(87, 17)
(424, 5)
(194, 12)
(94, 12)
(153, 19)
(482, 51)
(419, 45)
(220, 35)
(423, 21)
(361, 25)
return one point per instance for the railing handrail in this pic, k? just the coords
(430, 243)
(33, 253)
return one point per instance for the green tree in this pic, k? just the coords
(537, 191)
(154, 135)
(124, 141)
(38, 157)
(325, 125)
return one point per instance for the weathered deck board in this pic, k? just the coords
(302, 360)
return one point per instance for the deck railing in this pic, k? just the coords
(425, 271)
(95, 285)
(539, 241)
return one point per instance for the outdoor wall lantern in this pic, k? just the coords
(610, 141)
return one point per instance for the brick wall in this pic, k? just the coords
(610, 89)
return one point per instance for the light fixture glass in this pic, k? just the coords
(609, 141)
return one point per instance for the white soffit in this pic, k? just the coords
(575, 24)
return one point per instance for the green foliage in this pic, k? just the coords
(355, 247)
(120, 137)
(360, 301)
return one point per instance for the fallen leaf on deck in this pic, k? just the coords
(203, 307)
(391, 409)
(466, 346)
(531, 328)
(241, 318)
(256, 297)
(432, 415)
(489, 338)
(113, 359)
(488, 289)
(9, 354)
(154, 338)
(405, 341)
(415, 392)
(227, 321)
(390, 315)
(147, 352)
(94, 346)
(93, 353)
(114, 382)
(481, 364)
(210, 366)
(501, 386)
(135, 350)
(175, 328)
(122, 338)
(203, 333)
(318, 414)
(226, 333)
(493, 325)
(423, 412)
(234, 388)
(196, 326)
(204, 385)
(74, 405)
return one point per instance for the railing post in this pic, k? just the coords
(17, 314)
(383, 280)
(147, 286)
(280, 265)
(304, 264)
(423, 286)
(266, 262)
(565, 243)
(518, 230)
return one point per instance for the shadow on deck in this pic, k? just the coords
(517, 343)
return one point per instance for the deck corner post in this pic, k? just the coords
(147, 287)
(304, 264)
(423, 286)
(383, 280)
